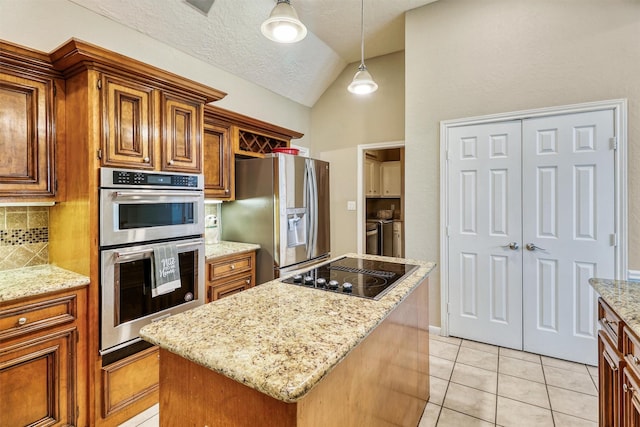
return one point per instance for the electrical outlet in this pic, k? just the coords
(351, 205)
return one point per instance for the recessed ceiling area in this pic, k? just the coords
(229, 37)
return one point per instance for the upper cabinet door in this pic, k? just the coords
(182, 132)
(27, 128)
(218, 162)
(128, 131)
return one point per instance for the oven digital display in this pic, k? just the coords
(159, 179)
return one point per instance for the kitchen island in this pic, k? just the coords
(283, 355)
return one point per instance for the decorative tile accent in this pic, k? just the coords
(24, 236)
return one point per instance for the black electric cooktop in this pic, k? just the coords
(354, 276)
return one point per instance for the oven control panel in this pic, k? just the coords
(136, 178)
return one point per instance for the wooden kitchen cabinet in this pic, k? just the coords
(230, 274)
(610, 365)
(131, 138)
(43, 366)
(391, 179)
(372, 177)
(31, 111)
(251, 137)
(218, 160)
(118, 111)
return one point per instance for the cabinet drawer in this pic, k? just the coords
(611, 323)
(35, 316)
(129, 380)
(229, 266)
(631, 350)
(231, 287)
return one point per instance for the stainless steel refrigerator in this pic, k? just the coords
(282, 204)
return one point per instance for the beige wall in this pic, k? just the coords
(468, 58)
(340, 121)
(46, 24)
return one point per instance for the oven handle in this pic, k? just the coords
(119, 255)
(128, 194)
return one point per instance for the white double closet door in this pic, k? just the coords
(531, 217)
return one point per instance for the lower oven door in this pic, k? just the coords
(126, 279)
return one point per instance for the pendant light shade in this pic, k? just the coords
(283, 24)
(362, 82)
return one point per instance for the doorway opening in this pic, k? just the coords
(381, 199)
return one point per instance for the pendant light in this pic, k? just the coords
(362, 82)
(283, 24)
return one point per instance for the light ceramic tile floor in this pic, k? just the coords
(476, 384)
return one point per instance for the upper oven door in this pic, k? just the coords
(135, 215)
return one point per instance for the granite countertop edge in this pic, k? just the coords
(285, 339)
(37, 280)
(623, 296)
(224, 248)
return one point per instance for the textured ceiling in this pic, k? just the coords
(229, 37)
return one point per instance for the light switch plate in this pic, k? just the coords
(351, 205)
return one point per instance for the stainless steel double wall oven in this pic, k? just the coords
(141, 211)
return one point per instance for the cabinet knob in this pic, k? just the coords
(233, 266)
(635, 360)
(226, 190)
(248, 281)
(627, 388)
(170, 162)
(22, 321)
(146, 159)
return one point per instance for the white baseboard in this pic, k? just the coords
(633, 275)
(435, 330)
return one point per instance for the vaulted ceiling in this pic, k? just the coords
(229, 37)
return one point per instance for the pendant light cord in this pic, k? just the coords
(362, 34)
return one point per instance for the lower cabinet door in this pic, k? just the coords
(231, 287)
(630, 399)
(37, 384)
(610, 364)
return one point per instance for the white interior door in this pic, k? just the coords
(527, 229)
(568, 217)
(485, 270)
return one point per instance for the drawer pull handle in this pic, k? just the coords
(22, 321)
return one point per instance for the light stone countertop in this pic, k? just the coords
(623, 297)
(278, 338)
(228, 248)
(37, 280)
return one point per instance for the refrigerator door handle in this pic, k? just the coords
(312, 206)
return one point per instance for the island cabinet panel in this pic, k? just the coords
(191, 394)
(43, 365)
(383, 381)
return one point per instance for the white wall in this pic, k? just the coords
(46, 24)
(340, 121)
(468, 58)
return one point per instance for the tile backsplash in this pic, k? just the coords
(24, 236)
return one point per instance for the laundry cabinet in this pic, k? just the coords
(530, 218)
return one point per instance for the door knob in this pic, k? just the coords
(532, 247)
(513, 246)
